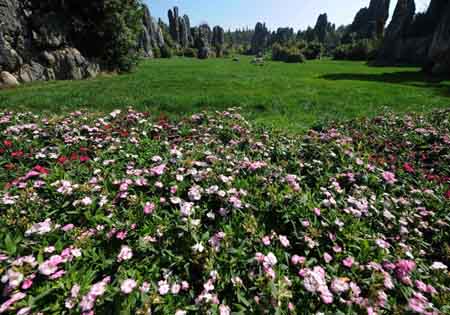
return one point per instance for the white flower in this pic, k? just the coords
(284, 241)
(125, 254)
(438, 266)
(199, 248)
(186, 208)
(40, 228)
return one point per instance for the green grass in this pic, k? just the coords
(291, 96)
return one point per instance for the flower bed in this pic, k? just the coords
(125, 215)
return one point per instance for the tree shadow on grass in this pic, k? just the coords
(409, 78)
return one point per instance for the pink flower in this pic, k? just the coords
(340, 285)
(389, 177)
(266, 240)
(224, 310)
(163, 287)
(404, 268)
(348, 262)
(149, 208)
(297, 260)
(158, 170)
(418, 303)
(327, 257)
(175, 289)
(128, 286)
(284, 241)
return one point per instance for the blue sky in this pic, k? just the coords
(240, 13)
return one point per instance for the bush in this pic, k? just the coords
(156, 52)
(362, 50)
(204, 53)
(166, 52)
(190, 52)
(291, 55)
(313, 50)
(104, 30)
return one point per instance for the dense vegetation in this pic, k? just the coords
(125, 214)
(284, 95)
(106, 30)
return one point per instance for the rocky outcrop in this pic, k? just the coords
(35, 44)
(439, 52)
(260, 38)
(218, 37)
(418, 39)
(370, 22)
(152, 36)
(7, 80)
(180, 28)
(202, 40)
(322, 27)
(396, 48)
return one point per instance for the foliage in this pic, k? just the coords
(290, 55)
(105, 30)
(190, 52)
(156, 52)
(364, 49)
(124, 214)
(166, 51)
(313, 50)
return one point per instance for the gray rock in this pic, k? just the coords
(218, 38)
(9, 59)
(32, 72)
(370, 22)
(180, 28)
(8, 80)
(393, 49)
(204, 53)
(260, 38)
(439, 52)
(152, 36)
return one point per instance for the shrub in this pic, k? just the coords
(156, 52)
(166, 52)
(363, 50)
(291, 55)
(313, 50)
(190, 52)
(105, 30)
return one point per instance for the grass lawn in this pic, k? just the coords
(290, 96)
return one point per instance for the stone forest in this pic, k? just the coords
(224, 157)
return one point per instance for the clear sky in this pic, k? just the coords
(298, 14)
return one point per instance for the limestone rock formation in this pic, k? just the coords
(370, 22)
(202, 40)
(421, 39)
(8, 80)
(439, 52)
(34, 44)
(260, 38)
(218, 37)
(395, 45)
(152, 36)
(322, 27)
(180, 28)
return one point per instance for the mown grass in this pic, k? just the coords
(292, 97)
